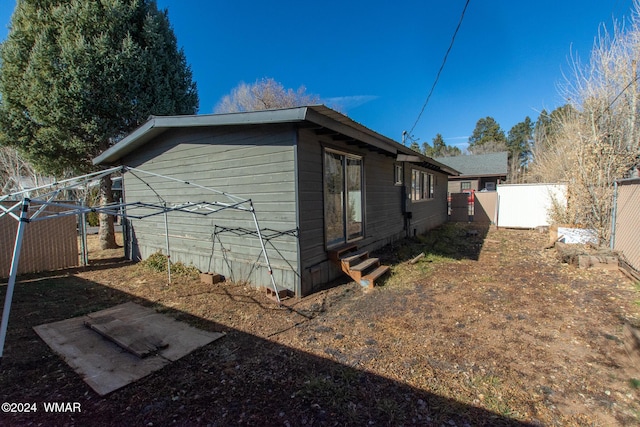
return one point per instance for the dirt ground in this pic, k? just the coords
(487, 329)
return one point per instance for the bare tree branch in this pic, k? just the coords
(597, 141)
(264, 94)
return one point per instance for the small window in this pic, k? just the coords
(416, 185)
(422, 185)
(465, 185)
(397, 177)
(426, 185)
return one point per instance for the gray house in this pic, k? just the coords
(326, 190)
(477, 172)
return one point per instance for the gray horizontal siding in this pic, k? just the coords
(384, 219)
(427, 214)
(255, 163)
(383, 211)
(384, 200)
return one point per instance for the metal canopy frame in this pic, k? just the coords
(20, 211)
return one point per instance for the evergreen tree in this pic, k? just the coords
(438, 146)
(519, 141)
(487, 132)
(542, 127)
(547, 127)
(76, 76)
(519, 146)
(441, 149)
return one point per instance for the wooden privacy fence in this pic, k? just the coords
(625, 236)
(476, 206)
(485, 207)
(460, 207)
(47, 245)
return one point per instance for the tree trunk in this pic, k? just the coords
(107, 234)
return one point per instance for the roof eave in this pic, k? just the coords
(132, 141)
(317, 114)
(157, 125)
(418, 158)
(485, 175)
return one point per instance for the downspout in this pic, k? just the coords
(403, 204)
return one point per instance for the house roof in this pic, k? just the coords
(491, 164)
(319, 116)
(631, 180)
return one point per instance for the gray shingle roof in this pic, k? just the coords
(476, 165)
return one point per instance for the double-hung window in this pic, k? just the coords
(422, 185)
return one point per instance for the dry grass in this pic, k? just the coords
(486, 330)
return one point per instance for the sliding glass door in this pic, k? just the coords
(343, 198)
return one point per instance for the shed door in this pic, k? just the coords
(343, 195)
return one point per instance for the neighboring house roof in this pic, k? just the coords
(492, 164)
(317, 115)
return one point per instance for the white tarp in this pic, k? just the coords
(528, 205)
(577, 235)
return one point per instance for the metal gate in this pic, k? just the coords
(461, 207)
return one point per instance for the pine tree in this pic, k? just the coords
(76, 76)
(519, 145)
(441, 149)
(487, 132)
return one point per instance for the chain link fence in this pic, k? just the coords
(625, 236)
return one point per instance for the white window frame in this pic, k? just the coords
(398, 173)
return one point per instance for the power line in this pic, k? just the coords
(635, 79)
(444, 61)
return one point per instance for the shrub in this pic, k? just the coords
(92, 219)
(158, 263)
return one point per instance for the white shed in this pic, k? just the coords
(528, 205)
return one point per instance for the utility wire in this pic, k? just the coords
(444, 61)
(620, 94)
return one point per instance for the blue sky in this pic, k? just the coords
(378, 59)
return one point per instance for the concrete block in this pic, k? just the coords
(211, 278)
(282, 293)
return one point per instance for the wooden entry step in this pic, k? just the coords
(357, 264)
(372, 275)
(338, 253)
